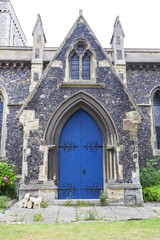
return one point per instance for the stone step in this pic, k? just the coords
(96, 202)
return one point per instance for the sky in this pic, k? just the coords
(140, 19)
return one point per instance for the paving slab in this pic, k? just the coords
(83, 212)
(66, 214)
(125, 213)
(50, 214)
(15, 214)
(29, 217)
(61, 214)
(106, 213)
(149, 212)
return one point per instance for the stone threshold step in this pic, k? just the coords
(96, 202)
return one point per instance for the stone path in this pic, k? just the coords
(61, 214)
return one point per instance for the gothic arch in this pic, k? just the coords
(155, 128)
(4, 112)
(93, 60)
(82, 100)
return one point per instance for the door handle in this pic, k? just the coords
(84, 171)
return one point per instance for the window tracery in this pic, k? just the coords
(80, 63)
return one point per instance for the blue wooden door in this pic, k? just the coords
(80, 158)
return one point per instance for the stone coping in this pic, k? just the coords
(86, 85)
(123, 185)
(45, 186)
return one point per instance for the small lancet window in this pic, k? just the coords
(1, 117)
(86, 67)
(156, 103)
(75, 66)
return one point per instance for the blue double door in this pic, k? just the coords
(80, 158)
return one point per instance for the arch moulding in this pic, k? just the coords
(82, 100)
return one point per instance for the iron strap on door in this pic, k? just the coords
(80, 158)
(68, 146)
(92, 146)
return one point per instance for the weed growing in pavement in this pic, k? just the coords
(37, 217)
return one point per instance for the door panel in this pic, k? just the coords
(80, 158)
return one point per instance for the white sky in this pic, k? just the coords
(140, 19)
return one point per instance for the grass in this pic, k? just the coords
(129, 230)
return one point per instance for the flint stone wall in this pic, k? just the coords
(16, 83)
(48, 97)
(140, 84)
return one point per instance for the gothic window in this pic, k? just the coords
(80, 63)
(75, 66)
(156, 104)
(86, 67)
(1, 117)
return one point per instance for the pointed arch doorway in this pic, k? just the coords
(53, 137)
(80, 158)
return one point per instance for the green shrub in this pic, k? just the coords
(10, 191)
(149, 175)
(4, 202)
(102, 198)
(151, 193)
(7, 174)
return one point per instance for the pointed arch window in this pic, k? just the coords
(156, 106)
(81, 63)
(75, 66)
(1, 117)
(86, 67)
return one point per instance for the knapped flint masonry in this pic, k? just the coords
(79, 118)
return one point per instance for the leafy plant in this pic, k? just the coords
(37, 217)
(90, 215)
(81, 203)
(7, 174)
(4, 202)
(10, 191)
(102, 198)
(78, 216)
(150, 175)
(151, 193)
(68, 203)
(56, 219)
(21, 220)
(44, 204)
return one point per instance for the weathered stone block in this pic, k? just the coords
(128, 125)
(27, 196)
(29, 204)
(115, 195)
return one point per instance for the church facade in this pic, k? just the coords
(78, 119)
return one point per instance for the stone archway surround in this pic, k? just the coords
(82, 100)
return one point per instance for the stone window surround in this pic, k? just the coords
(3, 96)
(93, 62)
(156, 151)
